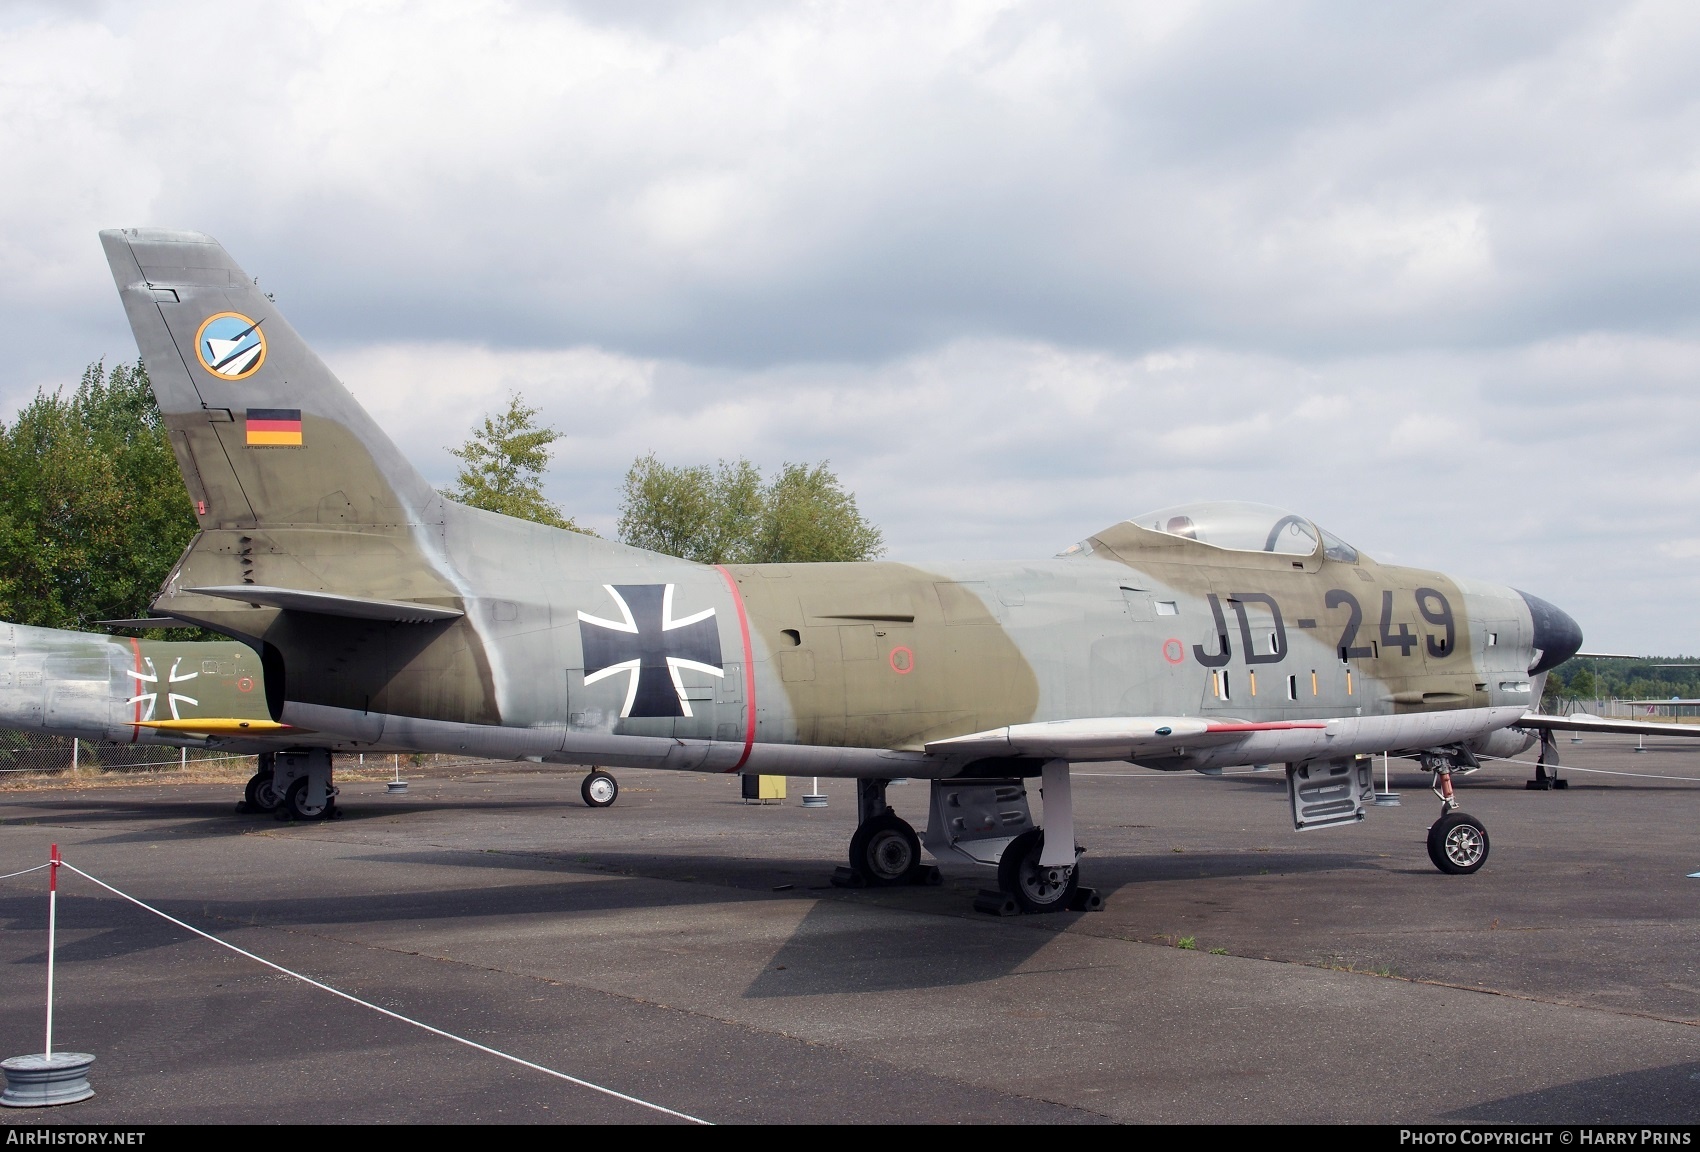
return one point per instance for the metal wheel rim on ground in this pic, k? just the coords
(1041, 884)
(889, 854)
(1463, 845)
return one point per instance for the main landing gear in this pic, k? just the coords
(884, 852)
(1457, 843)
(1032, 884)
(986, 821)
(1547, 757)
(293, 785)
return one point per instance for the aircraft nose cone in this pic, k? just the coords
(1557, 636)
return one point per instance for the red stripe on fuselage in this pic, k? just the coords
(136, 728)
(749, 670)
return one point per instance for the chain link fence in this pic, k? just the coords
(41, 754)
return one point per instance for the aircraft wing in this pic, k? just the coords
(1583, 722)
(1111, 737)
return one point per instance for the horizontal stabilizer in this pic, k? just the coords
(1583, 722)
(145, 622)
(217, 726)
(1109, 737)
(332, 604)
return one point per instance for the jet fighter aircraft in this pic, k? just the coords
(1189, 638)
(178, 694)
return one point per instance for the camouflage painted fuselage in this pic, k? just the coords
(104, 688)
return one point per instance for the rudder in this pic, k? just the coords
(264, 434)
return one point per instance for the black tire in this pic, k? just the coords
(1458, 844)
(599, 789)
(296, 806)
(885, 851)
(259, 795)
(1034, 888)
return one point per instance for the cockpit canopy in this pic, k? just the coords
(1241, 526)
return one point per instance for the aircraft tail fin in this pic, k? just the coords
(265, 435)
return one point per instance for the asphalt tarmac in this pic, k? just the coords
(686, 948)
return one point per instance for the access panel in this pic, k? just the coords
(1324, 793)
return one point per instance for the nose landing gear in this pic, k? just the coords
(1457, 843)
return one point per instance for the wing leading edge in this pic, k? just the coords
(1111, 737)
(1584, 722)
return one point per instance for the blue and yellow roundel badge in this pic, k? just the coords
(231, 346)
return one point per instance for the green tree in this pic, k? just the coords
(701, 513)
(93, 512)
(727, 515)
(503, 464)
(808, 517)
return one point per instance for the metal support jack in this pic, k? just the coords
(1546, 758)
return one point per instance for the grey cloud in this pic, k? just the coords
(860, 182)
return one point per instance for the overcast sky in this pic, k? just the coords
(1427, 273)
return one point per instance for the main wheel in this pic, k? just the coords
(295, 803)
(599, 789)
(1036, 887)
(261, 793)
(1458, 844)
(885, 851)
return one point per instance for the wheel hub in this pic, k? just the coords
(889, 855)
(601, 791)
(1045, 884)
(1463, 845)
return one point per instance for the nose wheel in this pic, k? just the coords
(1458, 844)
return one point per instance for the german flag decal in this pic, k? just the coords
(274, 427)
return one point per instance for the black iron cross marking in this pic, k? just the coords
(647, 642)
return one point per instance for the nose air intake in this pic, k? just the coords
(1557, 636)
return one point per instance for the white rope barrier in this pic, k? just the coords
(323, 987)
(1597, 771)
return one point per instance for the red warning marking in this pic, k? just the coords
(1173, 650)
(246, 684)
(136, 727)
(902, 660)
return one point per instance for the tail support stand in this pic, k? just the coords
(52, 1077)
